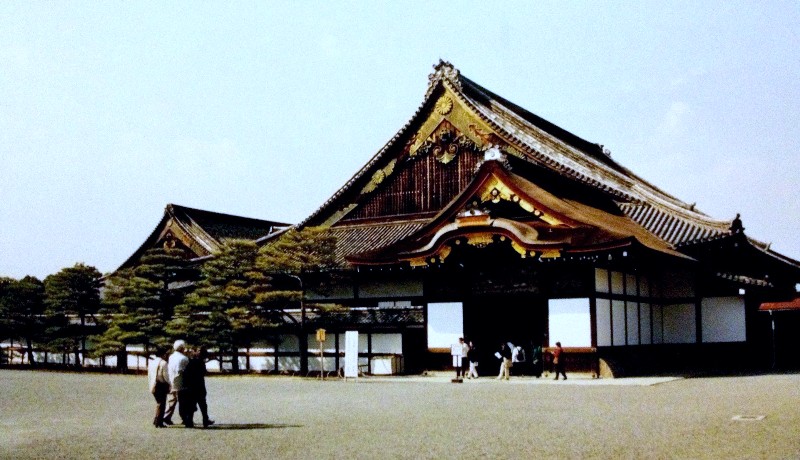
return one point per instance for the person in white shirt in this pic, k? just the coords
(158, 380)
(464, 358)
(175, 369)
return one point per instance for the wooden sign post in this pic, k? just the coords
(321, 340)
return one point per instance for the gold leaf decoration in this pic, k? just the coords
(379, 176)
(444, 105)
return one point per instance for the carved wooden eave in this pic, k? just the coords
(549, 227)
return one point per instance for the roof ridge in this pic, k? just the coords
(171, 207)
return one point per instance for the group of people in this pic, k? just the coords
(179, 375)
(469, 361)
(513, 359)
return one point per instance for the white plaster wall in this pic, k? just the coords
(723, 319)
(570, 322)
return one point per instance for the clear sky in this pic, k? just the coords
(111, 110)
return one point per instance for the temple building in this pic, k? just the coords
(480, 219)
(497, 225)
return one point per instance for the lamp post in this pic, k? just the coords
(303, 337)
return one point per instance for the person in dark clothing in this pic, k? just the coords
(472, 356)
(505, 361)
(537, 361)
(196, 382)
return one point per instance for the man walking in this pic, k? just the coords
(176, 368)
(558, 361)
(195, 380)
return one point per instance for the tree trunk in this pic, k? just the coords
(122, 360)
(235, 360)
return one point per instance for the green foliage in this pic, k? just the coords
(21, 310)
(295, 252)
(221, 312)
(72, 292)
(237, 296)
(297, 261)
(139, 301)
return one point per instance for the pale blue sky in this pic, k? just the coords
(111, 110)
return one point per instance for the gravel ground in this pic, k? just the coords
(65, 415)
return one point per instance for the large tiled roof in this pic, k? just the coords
(355, 239)
(559, 150)
(548, 146)
(674, 228)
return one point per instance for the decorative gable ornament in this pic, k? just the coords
(444, 71)
(444, 144)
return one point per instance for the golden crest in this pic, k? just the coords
(379, 176)
(444, 105)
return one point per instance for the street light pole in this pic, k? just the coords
(303, 337)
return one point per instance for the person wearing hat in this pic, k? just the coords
(176, 367)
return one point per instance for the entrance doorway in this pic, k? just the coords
(499, 318)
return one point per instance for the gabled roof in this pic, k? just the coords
(201, 232)
(489, 120)
(540, 142)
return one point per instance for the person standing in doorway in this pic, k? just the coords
(472, 356)
(464, 356)
(518, 360)
(558, 361)
(537, 361)
(505, 362)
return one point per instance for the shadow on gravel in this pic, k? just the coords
(250, 426)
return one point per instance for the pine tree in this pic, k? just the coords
(72, 292)
(21, 310)
(220, 312)
(295, 262)
(139, 301)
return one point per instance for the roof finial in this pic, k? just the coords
(444, 71)
(736, 225)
